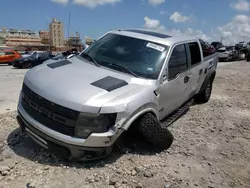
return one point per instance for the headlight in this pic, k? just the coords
(93, 123)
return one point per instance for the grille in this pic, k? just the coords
(53, 116)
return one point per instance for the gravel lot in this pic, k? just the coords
(211, 147)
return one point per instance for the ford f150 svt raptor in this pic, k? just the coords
(81, 106)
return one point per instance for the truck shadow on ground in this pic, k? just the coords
(128, 144)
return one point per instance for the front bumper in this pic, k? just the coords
(16, 64)
(94, 147)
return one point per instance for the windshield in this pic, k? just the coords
(142, 57)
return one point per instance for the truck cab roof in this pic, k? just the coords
(154, 36)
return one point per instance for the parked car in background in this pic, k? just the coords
(217, 44)
(235, 52)
(225, 53)
(241, 45)
(33, 60)
(7, 56)
(61, 56)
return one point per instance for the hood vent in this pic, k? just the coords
(58, 64)
(109, 83)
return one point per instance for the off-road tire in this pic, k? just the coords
(205, 95)
(155, 132)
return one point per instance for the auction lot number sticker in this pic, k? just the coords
(156, 47)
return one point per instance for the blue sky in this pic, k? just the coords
(209, 19)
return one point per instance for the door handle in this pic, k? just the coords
(200, 72)
(186, 79)
(164, 77)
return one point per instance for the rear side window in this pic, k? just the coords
(195, 53)
(178, 61)
(2, 53)
(9, 53)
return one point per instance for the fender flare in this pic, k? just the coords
(146, 108)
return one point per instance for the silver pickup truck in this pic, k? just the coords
(129, 78)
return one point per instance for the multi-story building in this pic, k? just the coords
(44, 35)
(56, 33)
(17, 38)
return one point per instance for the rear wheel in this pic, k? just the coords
(205, 95)
(155, 132)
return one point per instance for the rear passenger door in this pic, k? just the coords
(195, 73)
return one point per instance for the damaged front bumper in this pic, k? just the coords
(97, 145)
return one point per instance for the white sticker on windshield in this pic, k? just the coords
(156, 47)
(150, 69)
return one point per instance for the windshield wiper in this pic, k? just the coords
(91, 58)
(122, 68)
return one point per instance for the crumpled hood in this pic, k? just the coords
(76, 84)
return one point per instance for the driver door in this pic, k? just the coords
(174, 83)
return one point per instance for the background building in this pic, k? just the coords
(56, 33)
(75, 41)
(20, 38)
(89, 40)
(44, 35)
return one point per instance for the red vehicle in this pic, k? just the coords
(8, 56)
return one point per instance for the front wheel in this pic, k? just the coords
(155, 132)
(205, 95)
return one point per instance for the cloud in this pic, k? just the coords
(235, 31)
(241, 5)
(64, 2)
(156, 2)
(178, 18)
(153, 24)
(94, 3)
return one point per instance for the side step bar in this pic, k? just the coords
(170, 119)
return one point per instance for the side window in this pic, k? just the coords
(178, 61)
(2, 53)
(9, 53)
(195, 53)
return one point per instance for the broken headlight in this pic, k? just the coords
(93, 123)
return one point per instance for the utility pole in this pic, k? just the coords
(69, 31)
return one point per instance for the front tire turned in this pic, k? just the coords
(155, 132)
